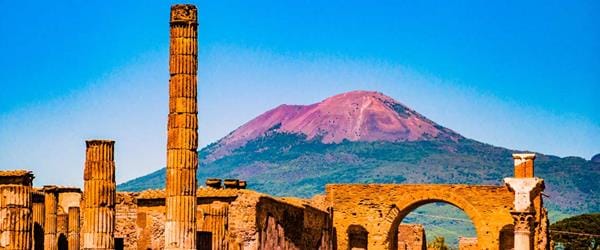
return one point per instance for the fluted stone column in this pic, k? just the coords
(99, 195)
(15, 209)
(525, 189)
(73, 228)
(50, 221)
(182, 138)
(39, 213)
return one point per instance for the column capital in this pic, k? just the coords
(523, 221)
(525, 190)
(184, 13)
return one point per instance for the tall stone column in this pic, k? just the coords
(73, 228)
(15, 209)
(182, 127)
(525, 189)
(39, 213)
(50, 222)
(99, 195)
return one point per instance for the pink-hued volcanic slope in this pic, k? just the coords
(354, 116)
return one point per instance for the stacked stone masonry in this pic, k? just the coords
(73, 228)
(379, 208)
(98, 204)
(38, 219)
(15, 209)
(411, 237)
(182, 130)
(50, 217)
(348, 216)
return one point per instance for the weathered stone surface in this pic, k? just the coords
(411, 237)
(524, 166)
(74, 228)
(239, 219)
(467, 243)
(50, 221)
(182, 130)
(125, 225)
(98, 204)
(15, 209)
(38, 219)
(379, 208)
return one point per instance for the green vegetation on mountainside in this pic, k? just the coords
(289, 165)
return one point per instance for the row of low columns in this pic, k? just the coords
(98, 201)
(30, 219)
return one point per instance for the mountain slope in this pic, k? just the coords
(354, 116)
(366, 137)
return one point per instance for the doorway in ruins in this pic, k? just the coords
(432, 224)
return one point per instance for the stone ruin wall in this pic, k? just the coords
(125, 221)
(376, 208)
(467, 243)
(248, 220)
(411, 237)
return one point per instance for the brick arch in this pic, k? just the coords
(398, 212)
(381, 207)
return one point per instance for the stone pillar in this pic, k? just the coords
(39, 213)
(411, 237)
(524, 167)
(182, 130)
(213, 219)
(525, 189)
(50, 207)
(73, 228)
(15, 209)
(523, 222)
(99, 195)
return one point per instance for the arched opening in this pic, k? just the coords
(63, 243)
(432, 224)
(357, 238)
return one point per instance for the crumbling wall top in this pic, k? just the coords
(16, 177)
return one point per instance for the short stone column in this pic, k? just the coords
(182, 130)
(15, 209)
(39, 214)
(99, 195)
(73, 228)
(50, 221)
(525, 189)
(524, 165)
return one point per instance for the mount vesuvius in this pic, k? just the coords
(368, 137)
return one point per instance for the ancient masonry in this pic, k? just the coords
(98, 205)
(50, 218)
(39, 212)
(226, 215)
(73, 228)
(15, 209)
(412, 237)
(182, 140)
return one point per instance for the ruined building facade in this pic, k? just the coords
(225, 215)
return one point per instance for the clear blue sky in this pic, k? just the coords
(513, 74)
